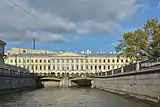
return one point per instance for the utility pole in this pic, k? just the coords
(34, 47)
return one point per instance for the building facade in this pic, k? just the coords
(68, 63)
(2, 48)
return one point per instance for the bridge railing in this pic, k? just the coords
(136, 67)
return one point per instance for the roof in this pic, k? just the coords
(30, 55)
(101, 55)
(61, 54)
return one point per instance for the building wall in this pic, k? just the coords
(66, 62)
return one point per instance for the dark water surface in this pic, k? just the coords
(67, 97)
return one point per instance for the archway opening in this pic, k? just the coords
(77, 74)
(63, 74)
(52, 74)
(67, 74)
(82, 75)
(72, 75)
(58, 74)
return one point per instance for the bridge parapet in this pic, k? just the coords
(139, 67)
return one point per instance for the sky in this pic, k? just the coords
(72, 25)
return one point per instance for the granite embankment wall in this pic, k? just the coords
(13, 78)
(142, 83)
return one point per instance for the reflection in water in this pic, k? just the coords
(67, 97)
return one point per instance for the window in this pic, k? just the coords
(108, 67)
(19, 61)
(126, 60)
(86, 67)
(108, 60)
(99, 67)
(32, 61)
(36, 61)
(122, 60)
(95, 67)
(40, 67)
(36, 67)
(40, 61)
(44, 67)
(113, 60)
(95, 60)
(91, 67)
(104, 67)
(44, 61)
(77, 67)
(117, 60)
(11, 60)
(32, 67)
(100, 60)
(49, 67)
(53, 67)
(104, 60)
(48, 61)
(81, 67)
(27, 60)
(72, 67)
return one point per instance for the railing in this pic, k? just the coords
(136, 67)
(149, 64)
(11, 70)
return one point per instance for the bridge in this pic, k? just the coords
(67, 81)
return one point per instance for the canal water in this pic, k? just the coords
(67, 97)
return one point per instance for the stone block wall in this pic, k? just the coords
(141, 85)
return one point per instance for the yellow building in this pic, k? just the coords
(67, 62)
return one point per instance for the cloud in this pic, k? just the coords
(50, 20)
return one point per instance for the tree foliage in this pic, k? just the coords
(141, 44)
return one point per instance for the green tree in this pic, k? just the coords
(133, 45)
(152, 29)
(142, 43)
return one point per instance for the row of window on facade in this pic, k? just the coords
(68, 61)
(29, 61)
(77, 67)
